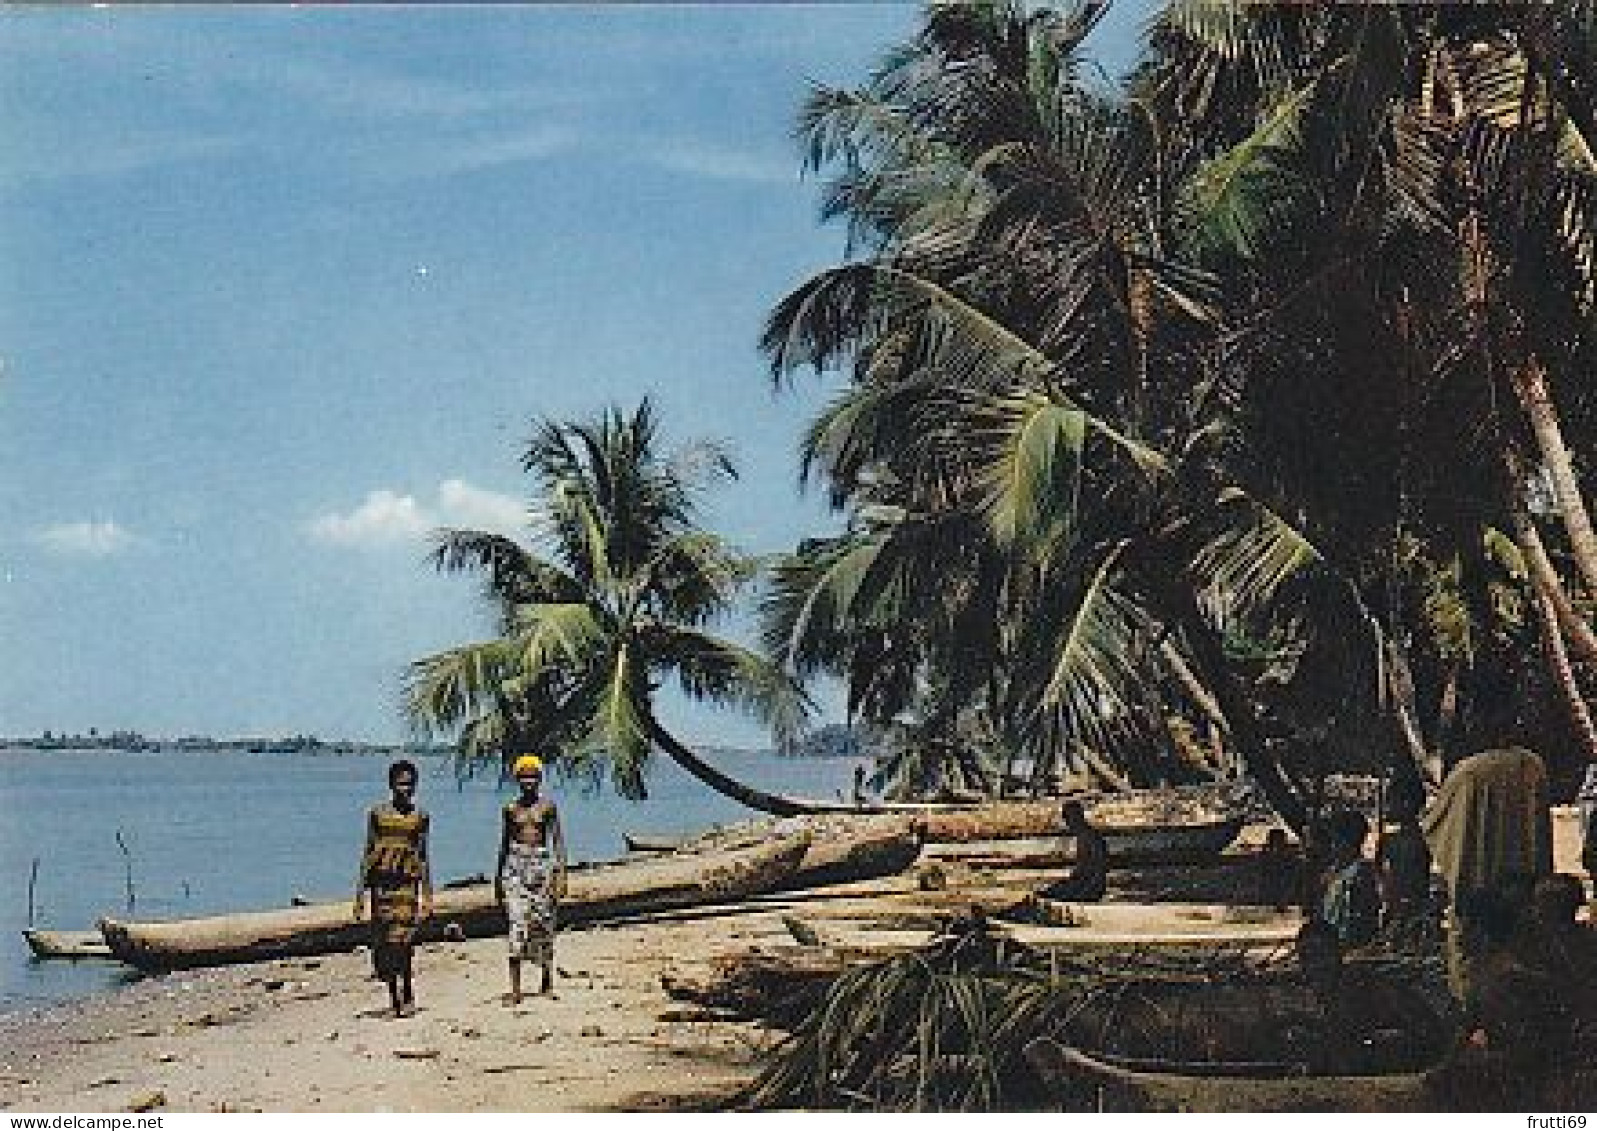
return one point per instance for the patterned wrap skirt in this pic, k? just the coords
(394, 919)
(528, 879)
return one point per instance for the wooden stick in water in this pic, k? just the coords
(127, 862)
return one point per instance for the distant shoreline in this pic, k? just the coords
(138, 744)
(821, 746)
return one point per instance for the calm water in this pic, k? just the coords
(226, 831)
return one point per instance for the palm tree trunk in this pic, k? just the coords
(1181, 607)
(1530, 385)
(1400, 685)
(1564, 676)
(1190, 683)
(730, 787)
(1544, 577)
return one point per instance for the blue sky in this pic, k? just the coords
(281, 290)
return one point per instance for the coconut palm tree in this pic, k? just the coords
(1027, 438)
(617, 598)
(1409, 191)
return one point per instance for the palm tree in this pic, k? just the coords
(616, 599)
(1409, 192)
(1025, 443)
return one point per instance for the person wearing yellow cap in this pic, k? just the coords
(530, 876)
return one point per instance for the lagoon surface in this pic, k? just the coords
(212, 831)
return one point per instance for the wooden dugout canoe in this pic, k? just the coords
(876, 848)
(1155, 842)
(66, 944)
(883, 850)
(593, 895)
(1236, 1087)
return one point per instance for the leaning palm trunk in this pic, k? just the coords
(1564, 675)
(1530, 385)
(1549, 585)
(730, 787)
(1278, 789)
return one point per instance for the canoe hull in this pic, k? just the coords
(66, 944)
(1129, 846)
(868, 855)
(1170, 844)
(593, 895)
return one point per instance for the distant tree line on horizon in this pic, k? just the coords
(132, 741)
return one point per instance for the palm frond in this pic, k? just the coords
(1253, 555)
(719, 671)
(1097, 666)
(810, 600)
(618, 725)
(449, 687)
(1236, 201)
(514, 574)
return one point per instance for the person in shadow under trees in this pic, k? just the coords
(1088, 879)
(1351, 905)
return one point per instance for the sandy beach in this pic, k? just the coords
(311, 1034)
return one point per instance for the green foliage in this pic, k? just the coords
(616, 597)
(1132, 374)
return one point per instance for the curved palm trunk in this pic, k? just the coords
(1530, 385)
(757, 799)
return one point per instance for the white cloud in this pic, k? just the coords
(720, 163)
(383, 517)
(35, 152)
(450, 158)
(388, 517)
(84, 539)
(461, 504)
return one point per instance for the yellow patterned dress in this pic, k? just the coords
(392, 871)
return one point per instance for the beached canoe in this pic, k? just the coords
(879, 849)
(867, 850)
(1129, 845)
(1160, 843)
(593, 895)
(66, 944)
(1259, 1086)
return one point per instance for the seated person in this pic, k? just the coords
(1404, 859)
(1566, 951)
(1370, 1023)
(1278, 877)
(1351, 904)
(1089, 877)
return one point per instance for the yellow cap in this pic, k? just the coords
(526, 764)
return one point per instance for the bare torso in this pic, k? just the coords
(529, 824)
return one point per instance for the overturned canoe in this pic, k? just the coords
(1000, 820)
(66, 944)
(593, 895)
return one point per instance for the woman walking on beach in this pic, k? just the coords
(395, 871)
(530, 877)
